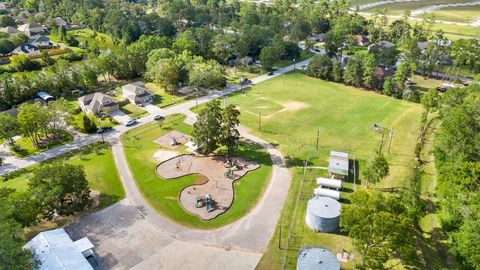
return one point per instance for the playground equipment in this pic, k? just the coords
(200, 201)
(229, 174)
(209, 202)
(174, 142)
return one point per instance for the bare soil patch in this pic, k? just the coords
(168, 139)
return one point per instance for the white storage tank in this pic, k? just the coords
(323, 214)
(330, 183)
(313, 258)
(327, 193)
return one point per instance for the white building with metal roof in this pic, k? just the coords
(338, 165)
(56, 251)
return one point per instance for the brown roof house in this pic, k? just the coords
(136, 93)
(362, 40)
(97, 103)
(381, 73)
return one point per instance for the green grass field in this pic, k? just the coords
(100, 170)
(458, 14)
(133, 110)
(162, 98)
(343, 117)
(163, 195)
(25, 148)
(399, 7)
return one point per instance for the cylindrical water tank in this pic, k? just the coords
(331, 183)
(317, 258)
(327, 193)
(323, 214)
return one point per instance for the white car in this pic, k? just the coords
(130, 122)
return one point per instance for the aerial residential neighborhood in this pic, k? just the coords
(244, 135)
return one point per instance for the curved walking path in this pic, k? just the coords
(132, 235)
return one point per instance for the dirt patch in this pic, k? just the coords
(200, 180)
(162, 155)
(294, 105)
(173, 139)
(216, 179)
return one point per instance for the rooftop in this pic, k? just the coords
(324, 207)
(338, 163)
(56, 250)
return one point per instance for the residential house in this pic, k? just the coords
(381, 73)
(22, 17)
(380, 44)
(31, 29)
(97, 103)
(362, 40)
(28, 49)
(59, 21)
(422, 46)
(9, 30)
(55, 250)
(5, 6)
(136, 93)
(41, 41)
(317, 37)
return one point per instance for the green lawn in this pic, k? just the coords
(25, 148)
(162, 98)
(100, 170)
(133, 110)
(103, 41)
(399, 7)
(458, 14)
(342, 115)
(302, 235)
(163, 195)
(423, 84)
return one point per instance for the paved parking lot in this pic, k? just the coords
(125, 239)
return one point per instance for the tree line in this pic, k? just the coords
(55, 189)
(457, 158)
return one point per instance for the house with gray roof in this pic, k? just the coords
(31, 29)
(40, 41)
(97, 103)
(28, 49)
(136, 93)
(9, 30)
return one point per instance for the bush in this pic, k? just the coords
(89, 125)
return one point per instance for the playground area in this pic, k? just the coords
(173, 139)
(211, 198)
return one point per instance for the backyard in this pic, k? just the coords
(163, 195)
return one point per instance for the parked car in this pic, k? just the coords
(104, 129)
(130, 122)
(270, 73)
(245, 81)
(158, 117)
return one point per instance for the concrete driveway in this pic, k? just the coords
(120, 117)
(152, 109)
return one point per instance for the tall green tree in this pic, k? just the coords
(207, 74)
(353, 74)
(230, 135)
(60, 188)
(377, 170)
(369, 79)
(268, 57)
(321, 67)
(8, 127)
(379, 227)
(207, 131)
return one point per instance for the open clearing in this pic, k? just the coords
(97, 160)
(399, 7)
(458, 14)
(140, 150)
(342, 116)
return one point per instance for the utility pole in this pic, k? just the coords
(381, 143)
(196, 97)
(391, 138)
(318, 137)
(294, 61)
(259, 121)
